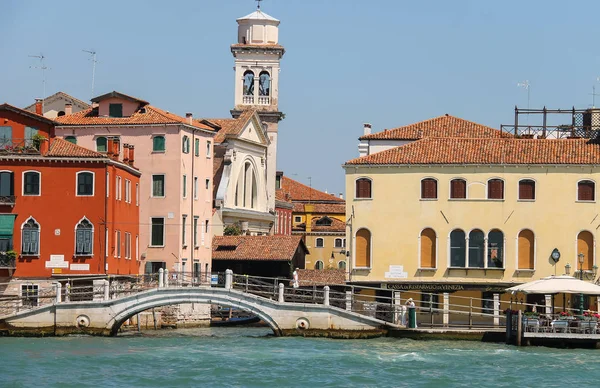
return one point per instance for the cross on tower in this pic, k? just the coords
(258, 4)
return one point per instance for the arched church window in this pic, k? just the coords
(264, 85)
(248, 83)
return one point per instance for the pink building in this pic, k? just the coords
(175, 156)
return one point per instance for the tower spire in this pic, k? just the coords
(258, 4)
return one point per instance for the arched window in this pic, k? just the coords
(319, 264)
(476, 248)
(342, 265)
(585, 245)
(264, 85)
(363, 249)
(586, 191)
(458, 188)
(338, 243)
(526, 249)
(30, 238)
(158, 143)
(246, 190)
(527, 189)
(101, 144)
(84, 238)
(428, 248)
(457, 248)
(71, 139)
(31, 183)
(7, 184)
(319, 242)
(428, 188)
(495, 255)
(495, 189)
(85, 183)
(363, 188)
(60, 113)
(248, 83)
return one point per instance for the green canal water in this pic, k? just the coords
(220, 357)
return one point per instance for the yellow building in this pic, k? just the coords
(321, 219)
(451, 206)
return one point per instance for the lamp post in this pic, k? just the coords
(581, 257)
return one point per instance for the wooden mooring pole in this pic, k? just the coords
(519, 327)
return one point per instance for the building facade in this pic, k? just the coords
(57, 105)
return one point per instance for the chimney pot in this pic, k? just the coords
(68, 109)
(189, 117)
(38, 106)
(44, 147)
(125, 153)
(366, 129)
(131, 154)
(342, 195)
(109, 146)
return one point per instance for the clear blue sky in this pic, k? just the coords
(387, 62)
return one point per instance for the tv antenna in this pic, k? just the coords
(43, 68)
(594, 93)
(527, 86)
(94, 61)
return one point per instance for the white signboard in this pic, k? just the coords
(80, 267)
(396, 272)
(57, 258)
(57, 264)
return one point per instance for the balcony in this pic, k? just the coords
(19, 146)
(7, 261)
(8, 200)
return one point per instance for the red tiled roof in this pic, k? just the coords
(309, 277)
(336, 226)
(64, 149)
(280, 195)
(274, 248)
(443, 126)
(487, 151)
(150, 115)
(27, 113)
(231, 127)
(301, 192)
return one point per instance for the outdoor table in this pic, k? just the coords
(531, 324)
(588, 326)
(560, 325)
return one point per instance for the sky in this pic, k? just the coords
(386, 62)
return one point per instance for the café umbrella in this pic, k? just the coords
(557, 284)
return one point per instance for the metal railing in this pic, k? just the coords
(6, 261)
(19, 146)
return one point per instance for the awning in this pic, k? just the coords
(7, 224)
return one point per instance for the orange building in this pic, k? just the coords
(65, 211)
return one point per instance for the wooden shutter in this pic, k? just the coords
(79, 241)
(495, 189)
(363, 248)
(585, 245)
(585, 191)
(429, 189)
(526, 249)
(428, 251)
(34, 240)
(26, 241)
(363, 188)
(87, 241)
(526, 189)
(458, 188)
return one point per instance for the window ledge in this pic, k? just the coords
(526, 200)
(84, 255)
(31, 255)
(427, 269)
(158, 197)
(428, 199)
(363, 199)
(581, 201)
(362, 268)
(156, 246)
(525, 270)
(475, 200)
(158, 152)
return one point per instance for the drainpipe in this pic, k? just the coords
(105, 253)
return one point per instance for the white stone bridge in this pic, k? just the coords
(106, 316)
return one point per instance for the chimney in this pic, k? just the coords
(44, 147)
(342, 195)
(189, 118)
(131, 159)
(125, 153)
(38, 106)
(115, 149)
(109, 146)
(68, 109)
(366, 129)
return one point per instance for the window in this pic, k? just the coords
(128, 245)
(195, 187)
(428, 188)
(495, 248)
(458, 188)
(137, 247)
(248, 88)
(118, 188)
(101, 144)
(84, 238)
(71, 139)
(29, 295)
(127, 191)
(487, 302)
(526, 249)
(342, 265)
(107, 185)
(208, 152)
(264, 83)
(185, 145)
(30, 132)
(197, 147)
(363, 188)
(31, 183)
(338, 243)
(319, 264)
(207, 183)
(586, 191)
(158, 143)
(205, 231)
(319, 243)
(157, 232)
(457, 248)
(118, 243)
(30, 238)
(527, 189)
(5, 136)
(585, 245)
(185, 186)
(324, 221)
(183, 231)
(297, 219)
(158, 185)
(430, 300)
(115, 110)
(196, 231)
(85, 183)
(106, 242)
(6, 184)
(476, 246)
(428, 248)
(363, 248)
(495, 189)
(137, 194)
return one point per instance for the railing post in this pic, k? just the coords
(397, 307)
(431, 309)
(446, 315)
(548, 304)
(471, 314)
(166, 278)
(106, 289)
(348, 300)
(246, 283)
(496, 309)
(58, 288)
(281, 289)
(161, 278)
(326, 296)
(228, 279)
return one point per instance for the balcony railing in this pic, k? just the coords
(264, 100)
(248, 100)
(19, 146)
(7, 262)
(8, 200)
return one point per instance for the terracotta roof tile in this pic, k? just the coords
(275, 248)
(443, 126)
(336, 226)
(64, 149)
(487, 151)
(301, 192)
(231, 127)
(309, 277)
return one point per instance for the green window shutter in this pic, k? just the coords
(197, 147)
(158, 143)
(71, 139)
(115, 110)
(35, 240)
(26, 248)
(101, 144)
(148, 267)
(7, 222)
(157, 231)
(79, 241)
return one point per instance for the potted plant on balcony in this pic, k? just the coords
(8, 257)
(37, 140)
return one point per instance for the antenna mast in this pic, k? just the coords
(43, 68)
(94, 61)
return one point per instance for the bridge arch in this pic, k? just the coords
(141, 302)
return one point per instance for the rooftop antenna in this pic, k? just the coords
(594, 93)
(258, 4)
(43, 68)
(94, 61)
(527, 87)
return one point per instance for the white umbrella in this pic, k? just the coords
(557, 284)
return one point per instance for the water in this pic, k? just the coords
(250, 357)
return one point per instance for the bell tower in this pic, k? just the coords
(257, 56)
